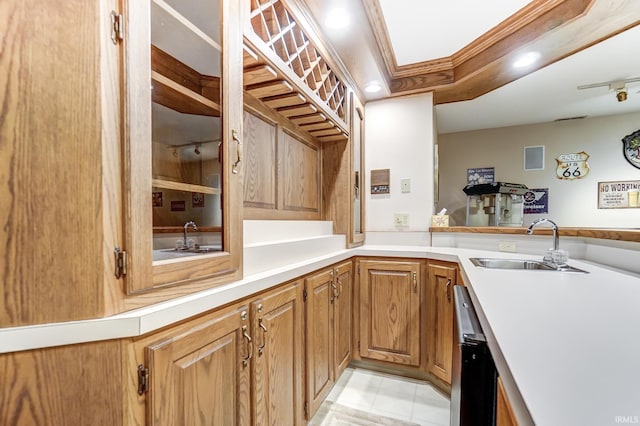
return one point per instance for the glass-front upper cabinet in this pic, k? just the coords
(183, 69)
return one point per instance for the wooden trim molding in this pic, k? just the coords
(631, 235)
(556, 28)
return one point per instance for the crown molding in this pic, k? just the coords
(556, 28)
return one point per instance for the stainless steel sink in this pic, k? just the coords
(521, 264)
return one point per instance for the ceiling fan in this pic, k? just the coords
(619, 86)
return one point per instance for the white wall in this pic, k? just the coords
(399, 135)
(571, 203)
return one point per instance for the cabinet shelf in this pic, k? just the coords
(180, 229)
(179, 98)
(187, 187)
(174, 22)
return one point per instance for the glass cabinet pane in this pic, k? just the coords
(186, 57)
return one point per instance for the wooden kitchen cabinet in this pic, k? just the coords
(389, 311)
(182, 145)
(343, 317)
(276, 385)
(328, 330)
(442, 277)
(240, 365)
(200, 375)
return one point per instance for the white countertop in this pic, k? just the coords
(566, 344)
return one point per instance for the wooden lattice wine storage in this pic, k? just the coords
(284, 69)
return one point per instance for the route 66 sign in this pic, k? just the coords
(572, 166)
(631, 148)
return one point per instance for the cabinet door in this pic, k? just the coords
(182, 127)
(442, 278)
(390, 311)
(321, 293)
(200, 376)
(277, 383)
(343, 322)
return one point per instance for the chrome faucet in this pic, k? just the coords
(186, 226)
(556, 238)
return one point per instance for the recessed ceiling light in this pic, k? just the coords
(373, 87)
(526, 59)
(337, 19)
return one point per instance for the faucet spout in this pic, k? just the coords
(186, 226)
(554, 228)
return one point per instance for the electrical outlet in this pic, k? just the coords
(405, 185)
(508, 246)
(401, 219)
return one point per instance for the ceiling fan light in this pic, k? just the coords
(527, 59)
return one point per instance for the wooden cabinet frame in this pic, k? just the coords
(199, 272)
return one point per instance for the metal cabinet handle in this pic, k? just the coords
(340, 288)
(245, 361)
(235, 169)
(264, 336)
(415, 282)
(449, 290)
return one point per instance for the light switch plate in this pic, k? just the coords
(405, 185)
(401, 219)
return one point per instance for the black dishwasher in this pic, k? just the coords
(473, 379)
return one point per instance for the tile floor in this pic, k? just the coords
(392, 396)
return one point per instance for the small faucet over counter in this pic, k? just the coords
(553, 255)
(186, 226)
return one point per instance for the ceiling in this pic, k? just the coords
(462, 51)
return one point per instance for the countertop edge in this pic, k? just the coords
(145, 320)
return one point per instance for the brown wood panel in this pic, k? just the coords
(326, 132)
(335, 185)
(504, 412)
(357, 174)
(278, 367)
(258, 74)
(287, 100)
(262, 212)
(319, 337)
(179, 98)
(343, 317)
(51, 162)
(260, 180)
(605, 234)
(271, 88)
(442, 277)
(198, 375)
(390, 311)
(333, 138)
(301, 174)
(308, 119)
(318, 126)
(294, 111)
(62, 386)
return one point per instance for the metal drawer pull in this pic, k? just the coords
(264, 336)
(234, 167)
(449, 290)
